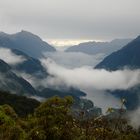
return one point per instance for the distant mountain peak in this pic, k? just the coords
(99, 47)
(27, 35)
(26, 42)
(25, 32)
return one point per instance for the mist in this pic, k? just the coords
(74, 59)
(9, 57)
(134, 117)
(93, 82)
(88, 77)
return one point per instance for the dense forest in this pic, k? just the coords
(53, 120)
(21, 104)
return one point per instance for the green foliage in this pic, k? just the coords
(53, 117)
(9, 129)
(36, 134)
(21, 104)
(8, 110)
(4, 119)
(53, 120)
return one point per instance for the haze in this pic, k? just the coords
(72, 19)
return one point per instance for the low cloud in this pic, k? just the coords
(74, 59)
(29, 78)
(37, 83)
(87, 77)
(134, 117)
(9, 57)
(94, 82)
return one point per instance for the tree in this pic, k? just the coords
(53, 120)
(9, 129)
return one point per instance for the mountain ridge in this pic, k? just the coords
(99, 47)
(128, 56)
(27, 42)
(9, 81)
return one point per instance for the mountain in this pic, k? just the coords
(9, 81)
(99, 47)
(49, 92)
(27, 42)
(14, 76)
(128, 56)
(33, 68)
(30, 65)
(21, 104)
(132, 97)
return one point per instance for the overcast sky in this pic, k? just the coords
(72, 19)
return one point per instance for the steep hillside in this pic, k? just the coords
(9, 81)
(30, 65)
(127, 56)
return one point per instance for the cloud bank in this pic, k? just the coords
(9, 57)
(87, 77)
(94, 82)
(74, 59)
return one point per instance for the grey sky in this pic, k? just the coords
(72, 19)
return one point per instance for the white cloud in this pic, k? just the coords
(74, 59)
(87, 77)
(34, 81)
(134, 117)
(9, 57)
(92, 81)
